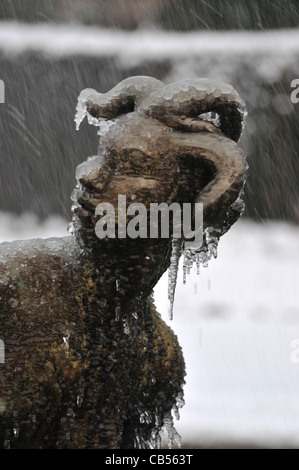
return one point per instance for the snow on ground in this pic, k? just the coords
(235, 322)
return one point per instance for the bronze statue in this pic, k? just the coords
(89, 363)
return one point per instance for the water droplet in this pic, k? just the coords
(79, 398)
(117, 313)
(66, 342)
(126, 327)
(16, 431)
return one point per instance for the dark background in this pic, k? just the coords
(179, 15)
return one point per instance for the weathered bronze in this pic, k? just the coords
(89, 363)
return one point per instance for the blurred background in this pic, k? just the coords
(236, 321)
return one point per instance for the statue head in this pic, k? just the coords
(161, 143)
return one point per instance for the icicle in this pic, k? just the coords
(103, 124)
(173, 272)
(184, 273)
(200, 256)
(81, 110)
(189, 258)
(203, 254)
(173, 435)
(197, 264)
(180, 402)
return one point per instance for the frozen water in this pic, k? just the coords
(92, 163)
(88, 95)
(135, 88)
(81, 111)
(172, 273)
(185, 90)
(104, 125)
(200, 256)
(203, 254)
(221, 150)
(210, 117)
(173, 437)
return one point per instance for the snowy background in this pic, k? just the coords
(235, 322)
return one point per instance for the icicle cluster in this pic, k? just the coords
(162, 424)
(201, 256)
